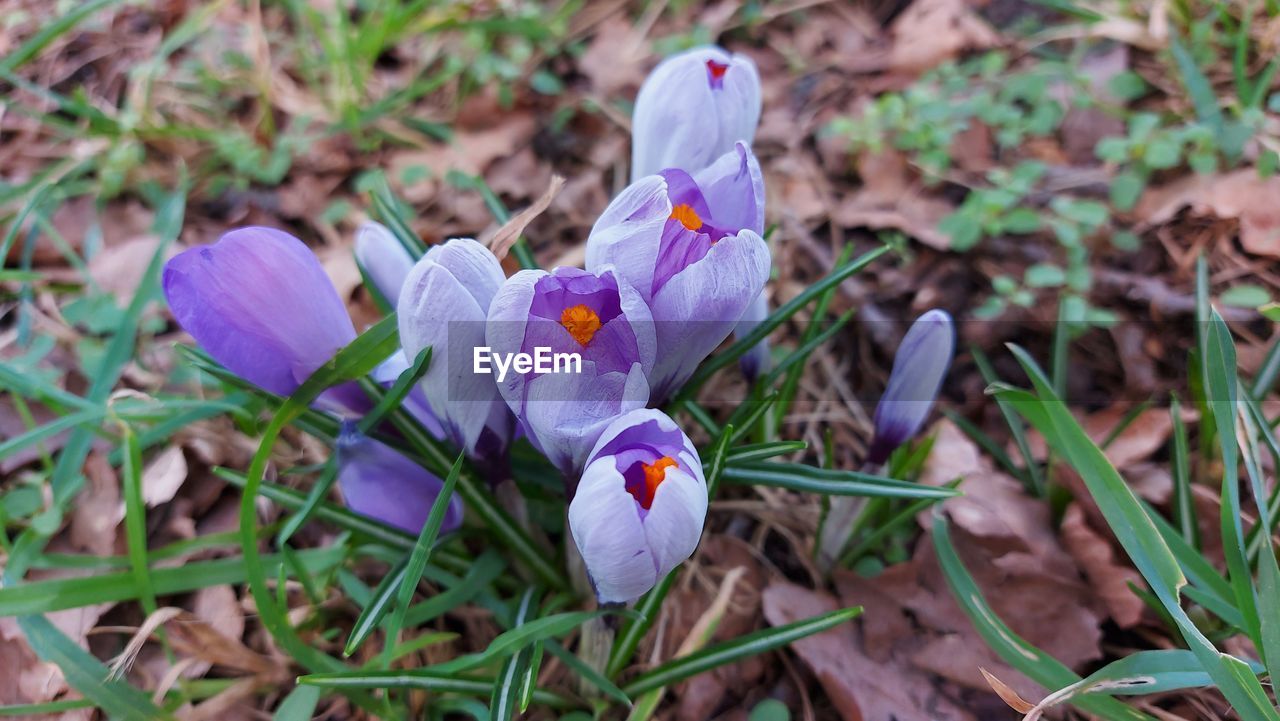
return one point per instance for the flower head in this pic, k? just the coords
(261, 305)
(378, 482)
(691, 110)
(640, 506)
(918, 369)
(443, 304)
(691, 246)
(383, 259)
(602, 321)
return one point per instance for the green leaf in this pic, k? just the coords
(1245, 296)
(829, 482)
(1045, 275)
(396, 394)
(1127, 86)
(1036, 664)
(1197, 85)
(752, 644)
(426, 680)
(421, 552)
(1126, 188)
(512, 641)
(507, 689)
(964, 230)
(299, 705)
(384, 597)
(1162, 152)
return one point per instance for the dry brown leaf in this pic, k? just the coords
(193, 636)
(163, 476)
(471, 152)
(1006, 694)
(509, 233)
(1145, 434)
(98, 508)
(1238, 195)
(929, 32)
(118, 269)
(891, 198)
(1097, 559)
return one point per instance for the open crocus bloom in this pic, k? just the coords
(444, 303)
(378, 482)
(569, 311)
(259, 302)
(691, 110)
(918, 369)
(691, 246)
(384, 260)
(640, 506)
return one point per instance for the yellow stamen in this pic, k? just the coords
(687, 216)
(581, 322)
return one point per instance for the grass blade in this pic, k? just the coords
(806, 479)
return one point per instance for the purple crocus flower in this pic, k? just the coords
(692, 109)
(259, 302)
(598, 318)
(384, 260)
(444, 304)
(691, 246)
(640, 506)
(379, 482)
(918, 369)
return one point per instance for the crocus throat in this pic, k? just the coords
(687, 216)
(581, 322)
(654, 474)
(715, 72)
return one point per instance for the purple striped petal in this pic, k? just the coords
(919, 367)
(259, 302)
(691, 109)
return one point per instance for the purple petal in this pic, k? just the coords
(380, 483)
(757, 360)
(699, 307)
(686, 115)
(260, 304)
(446, 299)
(919, 367)
(734, 190)
(384, 260)
(627, 234)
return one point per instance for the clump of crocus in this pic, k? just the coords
(640, 506)
(383, 259)
(691, 246)
(378, 482)
(260, 304)
(444, 304)
(918, 369)
(691, 110)
(569, 311)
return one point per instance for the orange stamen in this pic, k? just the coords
(717, 69)
(654, 475)
(687, 216)
(581, 322)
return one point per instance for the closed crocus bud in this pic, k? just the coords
(691, 110)
(384, 260)
(557, 316)
(261, 305)
(691, 246)
(380, 483)
(640, 506)
(444, 303)
(918, 369)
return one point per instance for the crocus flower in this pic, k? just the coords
(384, 260)
(691, 110)
(379, 482)
(918, 369)
(261, 305)
(691, 246)
(640, 506)
(599, 318)
(444, 303)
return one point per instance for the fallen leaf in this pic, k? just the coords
(509, 233)
(1006, 694)
(98, 508)
(1238, 195)
(163, 476)
(1097, 559)
(929, 32)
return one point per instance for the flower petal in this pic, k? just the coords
(384, 260)
(699, 307)
(734, 189)
(605, 523)
(378, 482)
(919, 367)
(627, 234)
(259, 302)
